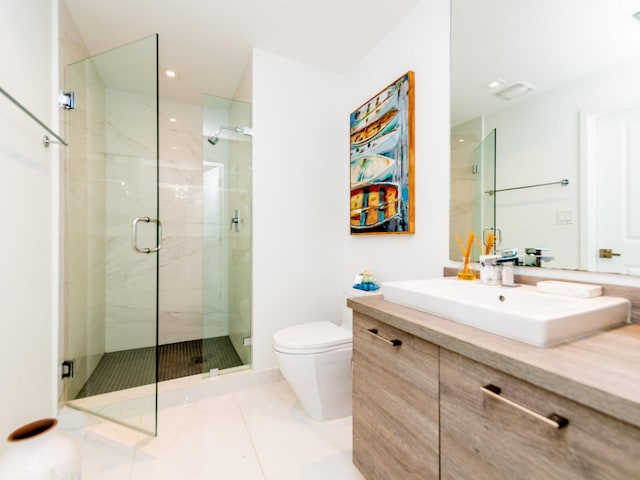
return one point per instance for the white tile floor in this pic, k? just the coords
(258, 433)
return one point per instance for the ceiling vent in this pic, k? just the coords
(514, 90)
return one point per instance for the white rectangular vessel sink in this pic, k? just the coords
(521, 313)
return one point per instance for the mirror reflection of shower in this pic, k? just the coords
(213, 139)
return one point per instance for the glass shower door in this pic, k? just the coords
(227, 136)
(112, 235)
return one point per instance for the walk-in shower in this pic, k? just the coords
(138, 316)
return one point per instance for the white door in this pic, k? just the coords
(617, 198)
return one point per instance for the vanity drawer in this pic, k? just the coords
(487, 435)
(395, 403)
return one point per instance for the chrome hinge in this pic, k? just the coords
(67, 100)
(246, 341)
(67, 369)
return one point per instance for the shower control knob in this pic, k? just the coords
(236, 220)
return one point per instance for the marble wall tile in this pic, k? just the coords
(130, 179)
(179, 326)
(181, 257)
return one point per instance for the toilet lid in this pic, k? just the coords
(312, 336)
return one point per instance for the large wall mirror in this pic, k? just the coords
(547, 93)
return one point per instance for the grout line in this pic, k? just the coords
(246, 426)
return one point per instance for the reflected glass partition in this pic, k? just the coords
(484, 200)
(473, 179)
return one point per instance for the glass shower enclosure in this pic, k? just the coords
(145, 301)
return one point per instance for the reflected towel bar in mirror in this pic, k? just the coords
(564, 182)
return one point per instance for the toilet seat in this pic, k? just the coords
(309, 338)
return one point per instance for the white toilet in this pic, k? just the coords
(315, 358)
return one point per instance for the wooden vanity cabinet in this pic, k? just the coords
(484, 436)
(395, 403)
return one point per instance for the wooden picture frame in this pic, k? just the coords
(382, 161)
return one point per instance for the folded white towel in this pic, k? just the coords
(569, 289)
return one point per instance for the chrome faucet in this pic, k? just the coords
(497, 269)
(510, 255)
(536, 256)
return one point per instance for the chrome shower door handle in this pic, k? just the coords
(134, 235)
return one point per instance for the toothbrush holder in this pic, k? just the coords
(466, 273)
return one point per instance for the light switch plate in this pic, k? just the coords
(564, 217)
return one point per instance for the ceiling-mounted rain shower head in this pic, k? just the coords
(213, 139)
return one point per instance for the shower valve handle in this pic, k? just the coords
(235, 220)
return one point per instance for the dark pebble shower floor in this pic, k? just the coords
(136, 367)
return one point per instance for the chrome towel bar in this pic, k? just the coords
(564, 182)
(45, 140)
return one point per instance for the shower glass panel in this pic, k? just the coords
(111, 295)
(483, 203)
(226, 234)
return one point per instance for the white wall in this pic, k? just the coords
(303, 254)
(27, 209)
(420, 43)
(300, 152)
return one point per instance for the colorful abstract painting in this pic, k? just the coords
(381, 157)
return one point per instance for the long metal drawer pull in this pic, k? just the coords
(556, 421)
(394, 343)
(134, 235)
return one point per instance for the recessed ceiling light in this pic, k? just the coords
(494, 83)
(172, 120)
(171, 73)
